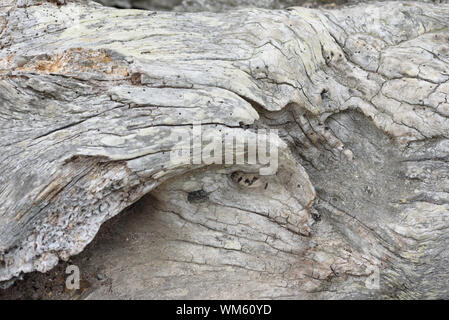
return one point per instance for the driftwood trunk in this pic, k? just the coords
(359, 96)
(220, 5)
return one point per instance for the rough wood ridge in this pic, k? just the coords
(89, 96)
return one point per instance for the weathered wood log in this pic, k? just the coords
(225, 5)
(90, 98)
(214, 5)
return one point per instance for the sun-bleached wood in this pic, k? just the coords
(89, 96)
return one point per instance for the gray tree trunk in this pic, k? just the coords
(90, 96)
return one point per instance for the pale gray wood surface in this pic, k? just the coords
(90, 95)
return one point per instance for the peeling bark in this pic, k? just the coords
(90, 95)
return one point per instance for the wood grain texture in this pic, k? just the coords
(90, 96)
